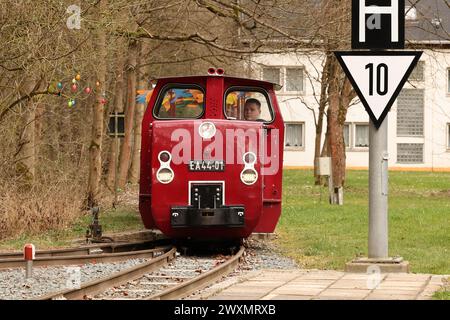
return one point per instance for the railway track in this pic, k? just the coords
(163, 277)
(99, 253)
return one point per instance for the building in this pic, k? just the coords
(419, 120)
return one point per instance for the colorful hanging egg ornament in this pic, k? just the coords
(97, 83)
(74, 87)
(74, 80)
(73, 102)
(52, 89)
(103, 101)
(78, 77)
(87, 90)
(70, 103)
(59, 85)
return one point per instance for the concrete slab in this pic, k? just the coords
(350, 284)
(345, 294)
(389, 297)
(297, 290)
(286, 297)
(363, 267)
(330, 285)
(395, 292)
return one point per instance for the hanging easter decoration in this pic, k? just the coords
(52, 88)
(59, 85)
(87, 90)
(78, 77)
(74, 88)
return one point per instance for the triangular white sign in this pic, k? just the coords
(378, 77)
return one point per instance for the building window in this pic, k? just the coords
(418, 72)
(410, 108)
(356, 135)
(294, 79)
(347, 135)
(410, 153)
(448, 80)
(448, 136)
(290, 78)
(271, 75)
(361, 135)
(294, 135)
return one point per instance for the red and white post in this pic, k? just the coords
(29, 252)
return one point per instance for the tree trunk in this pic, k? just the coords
(118, 106)
(125, 153)
(26, 159)
(335, 135)
(140, 109)
(95, 148)
(319, 127)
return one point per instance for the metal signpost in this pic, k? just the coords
(378, 77)
(116, 129)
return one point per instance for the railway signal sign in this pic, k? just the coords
(378, 77)
(378, 24)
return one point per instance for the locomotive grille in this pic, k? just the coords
(206, 196)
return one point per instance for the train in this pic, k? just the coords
(211, 157)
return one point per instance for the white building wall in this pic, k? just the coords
(296, 107)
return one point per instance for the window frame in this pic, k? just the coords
(352, 137)
(421, 63)
(355, 124)
(293, 148)
(168, 86)
(447, 90)
(350, 144)
(285, 81)
(262, 90)
(283, 78)
(280, 73)
(447, 135)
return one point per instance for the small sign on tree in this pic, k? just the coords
(116, 125)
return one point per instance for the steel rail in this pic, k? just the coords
(98, 286)
(199, 282)
(81, 259)
(83, 250)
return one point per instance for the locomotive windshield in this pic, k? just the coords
(250, 105)
(180, 102)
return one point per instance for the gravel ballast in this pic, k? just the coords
(14, 286)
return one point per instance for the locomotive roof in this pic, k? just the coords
(276, 86)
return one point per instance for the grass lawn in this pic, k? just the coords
(120, 220)
(318, 235)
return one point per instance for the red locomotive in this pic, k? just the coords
(211, 157)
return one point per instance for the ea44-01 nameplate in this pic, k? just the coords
(206, 165)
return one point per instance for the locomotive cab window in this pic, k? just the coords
(179, 102)
(249, 105)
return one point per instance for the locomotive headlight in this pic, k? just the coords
(207, 130)
(249, 174)
(164, 175)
